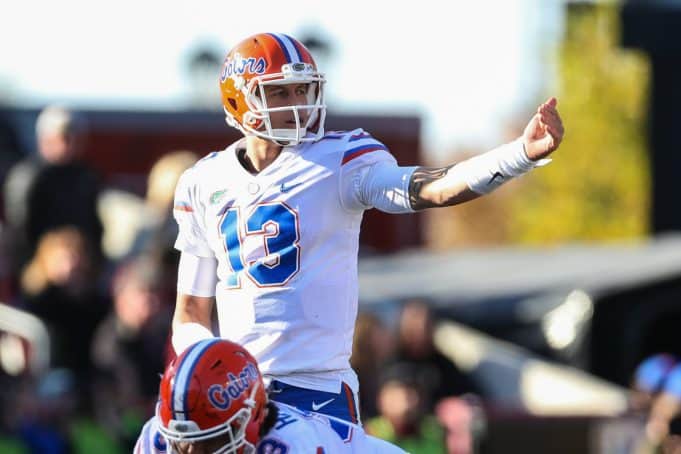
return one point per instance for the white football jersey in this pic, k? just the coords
(294, 432)
(150, 440)
(307, 432)
(286, 241)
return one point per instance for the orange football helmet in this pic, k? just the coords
(214, 389)
(271, 59)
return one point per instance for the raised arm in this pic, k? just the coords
(457, 183)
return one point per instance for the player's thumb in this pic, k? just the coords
(532, 130)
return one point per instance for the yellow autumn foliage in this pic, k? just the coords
(598, 187)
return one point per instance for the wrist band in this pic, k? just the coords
(187, 334)
(488, 171)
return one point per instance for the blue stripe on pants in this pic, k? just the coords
(340, 405)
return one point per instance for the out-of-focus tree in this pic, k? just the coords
(598, 188)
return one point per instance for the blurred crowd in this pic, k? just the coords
(656, 396)
(96, 266)
(410, 393)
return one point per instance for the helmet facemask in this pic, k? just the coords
(257, 120)
(233, 430)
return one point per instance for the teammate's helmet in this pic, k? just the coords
(271, 59)
(214, 389)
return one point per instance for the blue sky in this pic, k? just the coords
(467, 67)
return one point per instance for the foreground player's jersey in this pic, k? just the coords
(286, 241)
(294, 432)
(298, 431)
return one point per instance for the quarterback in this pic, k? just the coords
(269, 226)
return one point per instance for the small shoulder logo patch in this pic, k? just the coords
(217, 196)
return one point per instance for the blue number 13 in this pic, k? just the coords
(278, 225)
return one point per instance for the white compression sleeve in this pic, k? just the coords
(486, 172)
(196, 275)
(385, 186)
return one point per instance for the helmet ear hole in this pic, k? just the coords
(232, 102)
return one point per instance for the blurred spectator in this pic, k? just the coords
(49, 419)
(8, 281)
(10, 148)
(157, 235)
(163, 178)
(59, 285)
(128, 350)
(51, 188)
(10, 153)
(665, 407)
(136, 227)
(45, 408)
(641, 431)
(10, 392)
(133, 225)
(649, 378)
(372, 345)
(403, 416)
(435, 372)
(463, 423)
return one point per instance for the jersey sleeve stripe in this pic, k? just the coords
(359, 151)
(183, 206)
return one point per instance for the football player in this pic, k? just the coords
(269, 227)
(213, 400)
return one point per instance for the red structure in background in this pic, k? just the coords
(123, 145)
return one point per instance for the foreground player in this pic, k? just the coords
(270, 226)
(213, 400)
